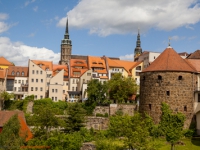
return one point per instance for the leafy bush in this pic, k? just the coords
(188, 133)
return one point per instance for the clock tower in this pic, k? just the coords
(66, 47)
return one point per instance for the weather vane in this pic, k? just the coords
(169, 41)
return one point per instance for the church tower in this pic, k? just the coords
(138, 49)
(66, 47)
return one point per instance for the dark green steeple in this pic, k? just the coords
(66, 39)
(138, 49)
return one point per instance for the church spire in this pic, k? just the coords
(66, 30)
(138, 49)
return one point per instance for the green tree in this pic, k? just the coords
(133, 129)
(97, 91)
(75, 118)
(44, 120)
(171, 125)
(5, 96)
(120, 88)
(10, 137)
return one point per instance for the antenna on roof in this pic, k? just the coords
(169, 41)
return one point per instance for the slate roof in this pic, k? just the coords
(169, 60)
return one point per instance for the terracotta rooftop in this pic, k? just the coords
(194, 63)
(96, 62)
(5, 62)
(45, 65)
(6, 115)
(18, 71)
(78, 66)
(195, 55)
(169, 60)
(57, 68)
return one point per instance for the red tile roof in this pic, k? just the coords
(44, 64)
(6, 115)
(2, 73)
(78, 65)
(57, 68)
(195, 55)
(16, 69)
(5, 62)
(169, 60)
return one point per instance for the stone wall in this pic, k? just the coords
(174, 88)
(97, 123)
(88, 146)
(113, 108)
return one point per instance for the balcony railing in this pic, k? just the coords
(24, 84)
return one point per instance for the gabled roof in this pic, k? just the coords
(96, 62)
(194, 63)
(57, 68)
(44, 64)
(5, 62)
(6, 115)
(78, 65)
(195, 55)
(169, 60)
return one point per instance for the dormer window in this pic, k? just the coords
(13, 73)
(18, 73)
(22, 73)
(47, 69)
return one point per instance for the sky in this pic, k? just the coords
(33, 29)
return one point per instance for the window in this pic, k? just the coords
(72, 88)
(19, 81)
(168, 93)
(22, 73)
(41, 80)
(63, 91)
(35, 96)
(36, 88)
(19, 89)
(15, 81)
(135, 79)
(37, 71)
(154, 57)
(56, 90)
(26, 81)
(33, 71)
(41, 89)
(22, 81)
(15, 88)
(32, 80)
(41, 72)
(67, 83)
(138, 68)
(185, 108)
(198, 97)
(73, 81)
(180, 77)
(52, 98)
(88, 74)
(76, 89)
(36, 80)
(149, 106)
(47, 83)
(159, 77)
(56, 98)
(41, 97)
(18, 73)
(137, 73)
(13, 73)
(53, 90)
(31, 88)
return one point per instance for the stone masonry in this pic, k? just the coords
(174, 88)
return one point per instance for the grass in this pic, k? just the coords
(189, 144)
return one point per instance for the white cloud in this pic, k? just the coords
(28, 2)
(35, 8)
(127, 57)
(105, 17)
(19, 54)
(177, 38)
(3, 16)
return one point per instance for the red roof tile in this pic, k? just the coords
(5, 62)
(169, 60)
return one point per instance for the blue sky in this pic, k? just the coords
(33, 29)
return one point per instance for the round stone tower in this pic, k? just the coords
(169, 79)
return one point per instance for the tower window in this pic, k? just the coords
(159, 77)
(185, 108)
(180, 77)
(168, 93)
(149, 106)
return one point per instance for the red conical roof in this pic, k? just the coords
(169, 60)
